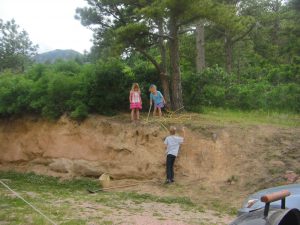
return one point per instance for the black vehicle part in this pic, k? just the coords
(291, 218)
(275, 217)
(271, 216)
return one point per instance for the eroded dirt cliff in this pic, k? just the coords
(213, 153)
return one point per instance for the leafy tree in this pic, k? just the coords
(16, 49)
(136, 25)
(119, 28)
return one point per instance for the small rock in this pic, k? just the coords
(61, 165)
(290, 176)
(85, 168)
(214, 137)
(277, 163)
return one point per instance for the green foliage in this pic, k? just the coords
(69, 68)
(80, 112)
(276, 90)
(108, 87)
(77, 90)
(103, 88)
(60, 91)
(43, 90)
(14, 94)
(73, 89)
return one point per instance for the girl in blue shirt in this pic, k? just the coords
(158, 99)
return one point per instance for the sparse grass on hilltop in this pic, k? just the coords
(220, 117)
(251, 117)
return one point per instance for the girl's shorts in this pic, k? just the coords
(136, 105)
(159, 105)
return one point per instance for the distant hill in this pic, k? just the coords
(52, 56)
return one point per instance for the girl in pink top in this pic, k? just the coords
(135, 101)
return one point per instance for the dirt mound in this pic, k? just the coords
(212, 153)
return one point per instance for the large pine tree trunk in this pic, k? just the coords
(164, 78)
(200, 46)
(177, 101)
(276, 26)
(228, 53)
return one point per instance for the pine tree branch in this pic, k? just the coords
(150, 58)
(244, 34)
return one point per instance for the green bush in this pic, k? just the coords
(284, 97)
(80, 112)
(216, 88)
(108, 87)
(206, 89)
(40, 90)
(59, 96)
(103, 87)
(67, 67)
(14, 94)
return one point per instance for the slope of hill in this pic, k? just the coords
(227, 161)
(54, 55)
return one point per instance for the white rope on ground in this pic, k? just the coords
(28, 203)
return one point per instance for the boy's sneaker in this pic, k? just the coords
(172, 181)
(168, 182)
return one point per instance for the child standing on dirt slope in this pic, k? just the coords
(135, 101)
(172, 143)
(158, 99)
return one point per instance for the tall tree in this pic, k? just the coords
(164, 76)
(122, 26)
(200, 46)
(236, 30)
(178, 14)
(16, 49)
(139, 25)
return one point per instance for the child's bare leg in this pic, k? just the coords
(137, 114)
(154, 111)
(159, 112)
(132, 115)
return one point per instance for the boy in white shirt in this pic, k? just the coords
(172, 143)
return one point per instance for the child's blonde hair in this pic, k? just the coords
(152, 86)
(172, 130)
(135, 85)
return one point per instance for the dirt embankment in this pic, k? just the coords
(211, 153)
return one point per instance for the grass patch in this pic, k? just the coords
(120, 199)
(222, 208)
(275, 171)
(251, 117)
(108, 222)
(68, 202)
(39, 182)
(157, 214)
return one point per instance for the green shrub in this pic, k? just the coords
(14, 94)
(103, 87)
(108, 87)
(80, 112)
(66, 67)
(216, 88)
(284, 97)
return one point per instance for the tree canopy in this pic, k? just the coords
(16, 49)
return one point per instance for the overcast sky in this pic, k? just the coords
(49, 23)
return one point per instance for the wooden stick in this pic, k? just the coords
(149, 112)
(121, 186)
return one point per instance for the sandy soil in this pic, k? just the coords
(156, 214)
